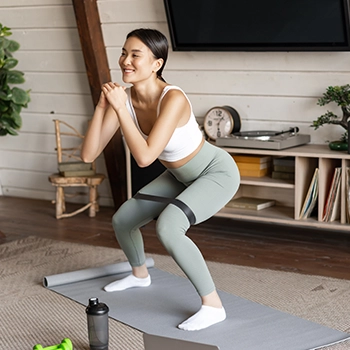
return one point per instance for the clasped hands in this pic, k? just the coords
(114, 94)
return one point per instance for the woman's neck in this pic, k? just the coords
(149, 93)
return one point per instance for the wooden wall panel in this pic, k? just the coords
(61, 104)
(22, 3)
(60, 83)
(51, 61)
(114, 35)
(43, 123)
(39, 16)
(46, 39)
(120, 11)
(14, 160)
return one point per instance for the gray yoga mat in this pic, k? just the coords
(170, 299)
(89, 274)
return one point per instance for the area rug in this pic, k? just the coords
(32, 314)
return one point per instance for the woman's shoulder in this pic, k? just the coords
(171, 87)
(171, 92)
(173, 96)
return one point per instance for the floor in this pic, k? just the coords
(301, 250)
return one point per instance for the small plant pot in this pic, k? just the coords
(338, 146)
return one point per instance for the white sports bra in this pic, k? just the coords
(184, 140)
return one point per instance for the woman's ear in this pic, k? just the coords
(158, 64)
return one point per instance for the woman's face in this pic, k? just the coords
(137, 61)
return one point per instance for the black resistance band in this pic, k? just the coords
(188, 212)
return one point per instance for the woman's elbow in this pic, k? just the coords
(86, 158)
(144, 162)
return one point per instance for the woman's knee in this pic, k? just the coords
(123, 219)
(161, 230)
(118, 224)
(117, 220)
(171, 224)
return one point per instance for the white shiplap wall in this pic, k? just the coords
(51, 58)
(269, 90)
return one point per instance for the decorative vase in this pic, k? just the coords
(338, 146)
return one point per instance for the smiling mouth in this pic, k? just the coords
(128, 70)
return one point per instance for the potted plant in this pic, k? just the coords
(341, 96)
(12, 99)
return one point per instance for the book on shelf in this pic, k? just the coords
(284, 168)
(285, 161)
(250, 203)
(253, 166)
(335, 212)
(254, 173)
(246, 158)
(331, 209)
(310, 198)
(74, 166)
(282, 175)
(78, 173)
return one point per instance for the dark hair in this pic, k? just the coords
(156, 42)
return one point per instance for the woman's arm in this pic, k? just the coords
(173, 107)
(103, 126)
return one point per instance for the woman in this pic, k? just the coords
(157, 122)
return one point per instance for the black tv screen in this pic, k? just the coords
(258, 25)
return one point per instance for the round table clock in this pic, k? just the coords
(221, 122)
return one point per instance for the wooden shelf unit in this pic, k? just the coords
(290, 194)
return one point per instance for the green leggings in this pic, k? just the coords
(205, 184)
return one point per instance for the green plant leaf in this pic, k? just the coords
(12, 132)
(13, 46)
(12, 120)
(4, 125)
(3, 131)
(5, 31)
(15, 77)
(3, 107)
(16, 107)
(10, 63)
(16, 120)
(5, 121)
(3, 42)
(19, 96)
(5, 96)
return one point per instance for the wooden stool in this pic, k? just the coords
(75, 177)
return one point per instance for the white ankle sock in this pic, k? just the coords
(205, 317)
(128, 282)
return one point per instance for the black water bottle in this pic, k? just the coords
(97, 319)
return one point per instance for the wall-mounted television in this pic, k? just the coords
(258, 25)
